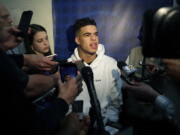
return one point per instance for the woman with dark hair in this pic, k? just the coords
(37, 42)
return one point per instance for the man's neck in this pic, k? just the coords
(88, 58)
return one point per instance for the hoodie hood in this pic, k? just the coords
(100, 53)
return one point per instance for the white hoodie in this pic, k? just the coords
(107, 84)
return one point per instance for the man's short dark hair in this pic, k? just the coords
(83, 22)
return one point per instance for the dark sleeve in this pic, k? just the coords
(18, 59)
(52, 116)
(56, 110)
(12, 78)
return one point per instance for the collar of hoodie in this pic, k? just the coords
(100, 53)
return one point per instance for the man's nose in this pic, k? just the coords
(93, 37)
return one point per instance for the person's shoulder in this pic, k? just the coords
(110, 59)
(110, 62)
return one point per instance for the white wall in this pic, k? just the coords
(42, 13)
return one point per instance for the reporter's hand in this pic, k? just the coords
(142, 91)
(56, 77)
(85, 124)
(70, 89)
(71, 125)
(172, 68)
(39, 62)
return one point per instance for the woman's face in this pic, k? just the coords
(40, 42)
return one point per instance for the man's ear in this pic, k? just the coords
(77, 40)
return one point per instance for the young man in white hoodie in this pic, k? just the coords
(107, 79)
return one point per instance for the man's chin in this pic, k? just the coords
(92, 53)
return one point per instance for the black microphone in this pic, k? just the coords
(87, 75)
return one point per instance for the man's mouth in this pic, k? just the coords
(94, 45)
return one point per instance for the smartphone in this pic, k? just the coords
(24, 23)
(68, 69)
(52, 55)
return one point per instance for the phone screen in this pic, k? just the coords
(68, 69)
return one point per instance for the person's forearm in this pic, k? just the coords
(39, 84)
(18, 59)
(26, 59)
(50, 118)
(39, 62)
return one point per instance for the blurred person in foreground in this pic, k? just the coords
(6, 20)
(17, 112)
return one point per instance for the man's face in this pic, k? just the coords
(5, 19)
(7, 40)
(87, 39)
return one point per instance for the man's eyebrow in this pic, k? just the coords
(89, 33)
(86, 33)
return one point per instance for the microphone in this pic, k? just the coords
(127, 70)
(87, 75)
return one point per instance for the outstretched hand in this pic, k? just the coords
(72, 125)
(39, 62)
(172, 68)
(142, 91)
(70, 89)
